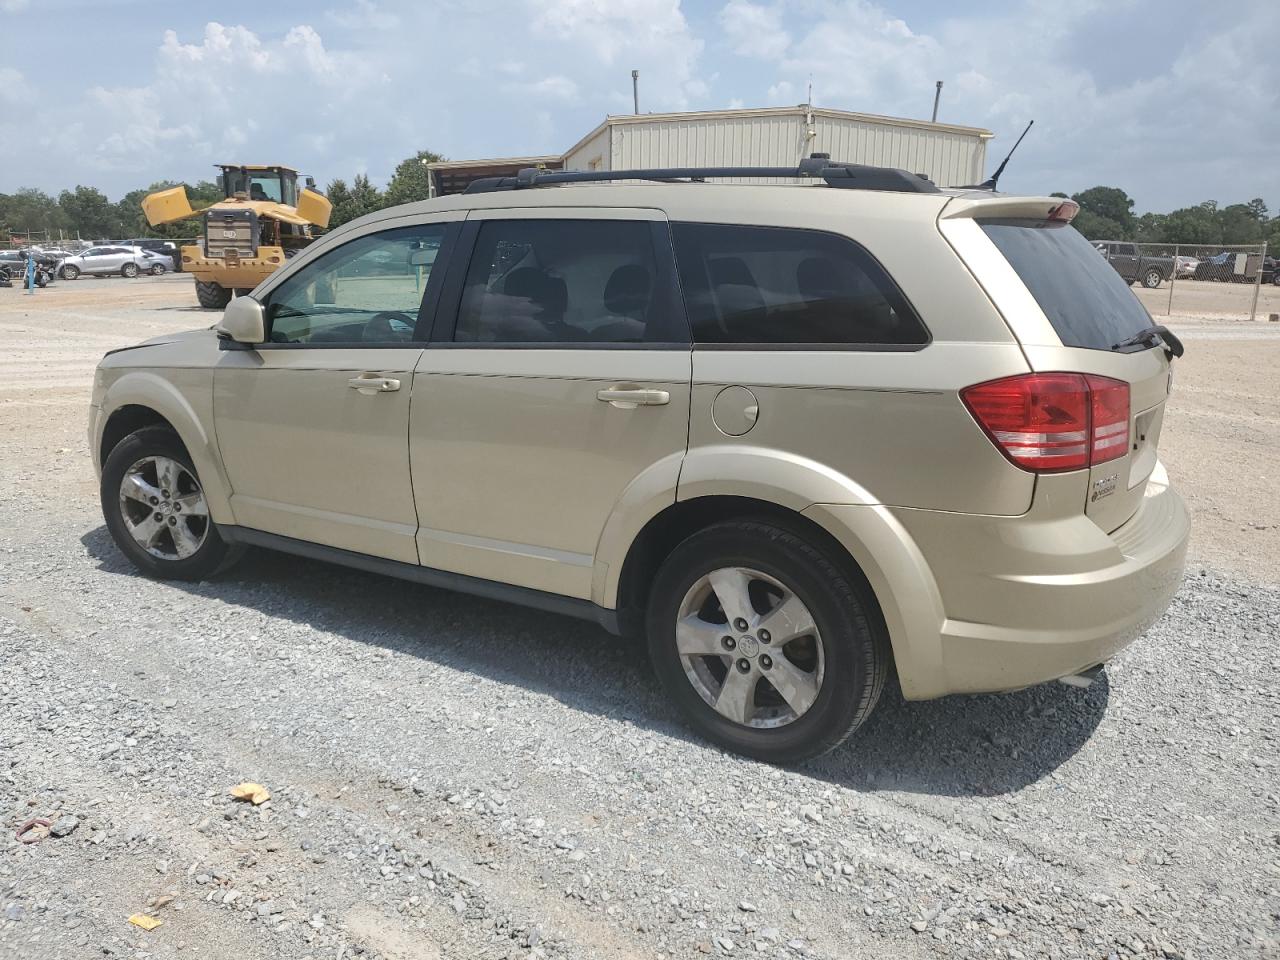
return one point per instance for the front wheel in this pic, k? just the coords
(212, 295)
(70, 272)
(1152, 279)
(765, 644)
(129, 270)
(156, 511)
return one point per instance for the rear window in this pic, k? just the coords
(1079, 291)
(776, 286)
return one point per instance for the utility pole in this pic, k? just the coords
(635, 89)
(937, 95)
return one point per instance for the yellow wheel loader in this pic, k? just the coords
(263, 221)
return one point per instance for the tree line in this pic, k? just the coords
(86, 212)
(1106, 213)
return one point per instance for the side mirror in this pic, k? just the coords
(243, 322)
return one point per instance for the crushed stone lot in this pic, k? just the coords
(456, 778)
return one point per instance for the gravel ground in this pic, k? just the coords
(456, 778)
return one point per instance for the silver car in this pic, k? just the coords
(155, 263)
(105, 260)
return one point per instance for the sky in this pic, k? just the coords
(1176, 102)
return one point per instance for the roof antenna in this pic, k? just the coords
(990, 183)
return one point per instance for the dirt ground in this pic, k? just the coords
(1209, 300)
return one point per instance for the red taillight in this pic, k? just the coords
(1053, 421)
(1109, 410)
(1065, 211)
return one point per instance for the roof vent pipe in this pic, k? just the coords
(635, 90)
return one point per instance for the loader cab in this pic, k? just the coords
(276, 184)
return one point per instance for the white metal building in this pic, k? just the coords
(769, 137)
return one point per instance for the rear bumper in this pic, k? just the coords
(1028, 599)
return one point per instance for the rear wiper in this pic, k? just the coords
(1150, 337)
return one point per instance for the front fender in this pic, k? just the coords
(184, 397)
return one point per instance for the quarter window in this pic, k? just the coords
(564, 281)
(368, 290)
(778, 286)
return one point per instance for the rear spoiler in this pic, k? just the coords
(1002, 207)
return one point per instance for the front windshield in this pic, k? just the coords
(258, 184)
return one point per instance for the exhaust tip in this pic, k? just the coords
(1083, 679)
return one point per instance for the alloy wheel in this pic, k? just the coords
(750, 647)
(164, 508)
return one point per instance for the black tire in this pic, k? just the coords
(70, 272)
(42, 279)
(855, 653)
(129, 270)
(243, 291)
(157, 269)
(212, 296)
(1152, 279)
(213, 555)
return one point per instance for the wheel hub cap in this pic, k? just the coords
(734, 671)
(163, 508)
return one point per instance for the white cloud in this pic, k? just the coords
(754, 29)
(13, 6)
(556, 87)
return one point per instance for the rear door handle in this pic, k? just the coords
(628, 398)
(368, 384)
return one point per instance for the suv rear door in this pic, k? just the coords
(557, 379)
(1069, 312)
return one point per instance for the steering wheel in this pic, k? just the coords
(379, 328)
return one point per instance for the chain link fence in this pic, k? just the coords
(1206, 281)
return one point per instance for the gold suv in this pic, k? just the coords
(796, 434)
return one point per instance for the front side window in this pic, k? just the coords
(564, 281)
(779, 286)
(368, 290)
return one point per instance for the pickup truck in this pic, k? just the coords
(1135, 266)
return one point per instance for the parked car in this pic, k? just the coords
(795, 437)
(155, 263)
(1233, 266)
(1185, 267)
(1134, 265)
(104, 261)
(1271, 271)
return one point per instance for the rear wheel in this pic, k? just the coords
(763, 642)
(129, 270)
(1151, 279)
(156, 511)
(157, 269)
(212, 296)
(70, 272)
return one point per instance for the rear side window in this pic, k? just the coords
(784, 287)
(565, 281)
(1086, 301)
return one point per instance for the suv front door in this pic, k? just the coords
(313, 425)
(557, 385)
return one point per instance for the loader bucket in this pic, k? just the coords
(313, 207)
(166, 206)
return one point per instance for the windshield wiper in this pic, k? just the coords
(1150, 337)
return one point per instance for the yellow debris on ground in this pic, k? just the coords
(256, 793)
(145, 922)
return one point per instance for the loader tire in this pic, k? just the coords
(212, 295)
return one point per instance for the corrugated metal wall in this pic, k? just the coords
(597, 146)
(947, 157)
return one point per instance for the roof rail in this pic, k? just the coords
(849, 176)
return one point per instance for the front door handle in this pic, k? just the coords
(369, 383)
(628, 398)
